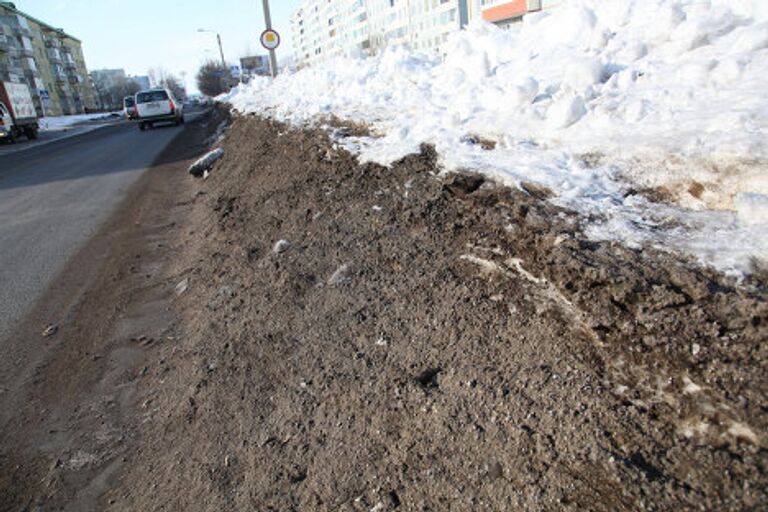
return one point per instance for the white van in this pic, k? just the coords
(158, 106)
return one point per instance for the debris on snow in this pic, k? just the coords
(205, 162)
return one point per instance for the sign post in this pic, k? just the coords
(270, 39)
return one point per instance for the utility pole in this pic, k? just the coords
(272, 56)
(221, 51)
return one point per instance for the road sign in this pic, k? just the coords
(43, 94)
(270, 39)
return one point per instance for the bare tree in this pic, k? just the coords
(111, 96)
(173, 84)
(212, 78)
(157, 76)
(161, 77)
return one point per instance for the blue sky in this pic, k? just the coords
(140, 34)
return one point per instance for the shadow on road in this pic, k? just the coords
(106, 150)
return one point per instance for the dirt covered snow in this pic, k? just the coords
(361, 338)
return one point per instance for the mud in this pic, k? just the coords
(423, 343)
(68, 401)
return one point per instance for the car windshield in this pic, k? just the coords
(146, 97)
(129, 102)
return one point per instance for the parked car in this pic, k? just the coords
(17, 112)
(158, 106)
(129, 107)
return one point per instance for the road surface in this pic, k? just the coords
(55, 196)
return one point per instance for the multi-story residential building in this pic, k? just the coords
(506, 13)
(326, 28)
(48, 60)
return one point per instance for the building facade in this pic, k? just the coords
(48, 60)
(324, 29)
(142, 81)
(254, 65)
(506, 13)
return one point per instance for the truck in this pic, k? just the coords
(17, 112)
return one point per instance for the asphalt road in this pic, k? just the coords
(54, 197)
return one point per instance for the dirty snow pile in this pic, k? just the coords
(595, 99)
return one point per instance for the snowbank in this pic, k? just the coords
(62, 122)
(661, 94)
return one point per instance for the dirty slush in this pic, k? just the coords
(361, 338)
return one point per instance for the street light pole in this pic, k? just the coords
(268, 21)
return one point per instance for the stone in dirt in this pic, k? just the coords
(182, 286)
(340, 275)
(50, 330)
(205, 163)
(281, 246)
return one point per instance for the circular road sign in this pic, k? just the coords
(270, 39)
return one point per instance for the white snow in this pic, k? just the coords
(62, 122)
(663, 94)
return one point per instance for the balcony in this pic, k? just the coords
(54, 56)
(52, 43)
(10, 73)
(75, 79)
(31, 73)
(4, 43)
(19, 30)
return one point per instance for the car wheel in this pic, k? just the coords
(151, 125)
(142, 126)
(31, 133)
(183, 120)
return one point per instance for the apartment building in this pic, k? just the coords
(327, 28)
(48, 60)
(506, 13)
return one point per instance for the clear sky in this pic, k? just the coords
(140, 34)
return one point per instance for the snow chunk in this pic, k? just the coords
(583, 73)
(566, 111)
(752, 208)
